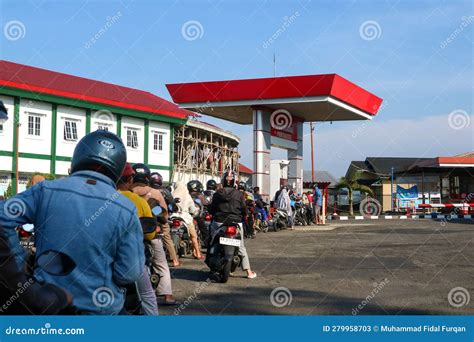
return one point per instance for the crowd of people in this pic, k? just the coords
(102, 216)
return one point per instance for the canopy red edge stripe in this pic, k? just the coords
(276, 88)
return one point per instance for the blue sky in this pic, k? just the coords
(420, 60)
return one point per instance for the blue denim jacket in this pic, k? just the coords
(85, 217)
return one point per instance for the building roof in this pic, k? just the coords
(320, 176)
(465, 155)
(460, 161)
(213, 129)
(244, 169)
(37, 80)
(328, 97)
(382, 166)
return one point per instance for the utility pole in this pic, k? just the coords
(312, 153)
(274, 65)
(391, 191)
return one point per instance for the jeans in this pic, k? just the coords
(160, 266)
(147, 295)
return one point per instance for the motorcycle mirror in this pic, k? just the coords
(157, 211)
(198, 201)
(28, 227)
(55, 263)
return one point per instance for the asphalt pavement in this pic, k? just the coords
(396, 267)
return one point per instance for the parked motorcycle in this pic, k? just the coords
(260, 224)
(281, 219)
(222, 257)
(300, 212)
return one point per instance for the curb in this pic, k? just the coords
(401, 217)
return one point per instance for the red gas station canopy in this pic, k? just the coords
(311, 98)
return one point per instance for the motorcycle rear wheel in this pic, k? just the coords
(226, 272)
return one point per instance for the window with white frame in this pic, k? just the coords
(132, 138)
(70, 130)
(34, 125)
(4, 180)
(158, 139)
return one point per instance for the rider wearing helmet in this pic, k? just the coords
(140, 186)
(211, 187)
(228, 202)
(156, 182)
(195, 189)
(84, 217)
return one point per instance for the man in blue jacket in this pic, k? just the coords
(317, 204)
(84, 217)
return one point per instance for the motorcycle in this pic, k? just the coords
(180, 234)
(300, 212)
(222, 257)
(26, 234)
(281, 219)
(260, 224)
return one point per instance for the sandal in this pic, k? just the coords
(253, 276)
(202, 257)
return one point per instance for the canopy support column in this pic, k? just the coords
(261, 153)
(295, 169)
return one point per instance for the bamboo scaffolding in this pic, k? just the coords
(203, 153)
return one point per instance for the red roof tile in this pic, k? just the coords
(244, 169)
(44, 81)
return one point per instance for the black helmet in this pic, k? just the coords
(211, 184)
(156, 180)
(100, 151)
(195, 186)
(229, 183)
(142, 173)
(242, 186)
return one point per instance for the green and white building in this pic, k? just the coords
(50, 112)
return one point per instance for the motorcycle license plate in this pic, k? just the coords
(229, 242)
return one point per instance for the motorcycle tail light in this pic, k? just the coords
(208, 217)
(231, 231)
(176, 223)
(24, 233)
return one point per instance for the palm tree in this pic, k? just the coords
(351, 184)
